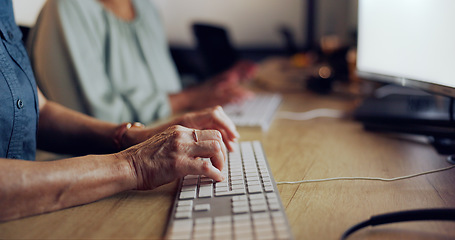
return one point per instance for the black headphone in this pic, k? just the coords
(445, 214)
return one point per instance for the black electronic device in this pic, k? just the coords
(438, 214)
(410, 44)
(214, 44)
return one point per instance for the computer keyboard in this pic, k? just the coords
(246, 205)
(255, 112)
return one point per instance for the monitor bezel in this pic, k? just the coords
(407, 82)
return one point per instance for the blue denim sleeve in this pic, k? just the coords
(18, 93)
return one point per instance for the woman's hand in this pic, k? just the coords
(226, 87)
(245, 69)
(220, 90)
(174, 153)
(212, 118)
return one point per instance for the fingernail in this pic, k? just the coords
(218, 171)
(232, 144)
(237, 134)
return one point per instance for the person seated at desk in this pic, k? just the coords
(110, 59)
(123, 157)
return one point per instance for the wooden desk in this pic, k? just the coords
(296, 150)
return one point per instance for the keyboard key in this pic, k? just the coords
(272, 200)
(183, 214)
(241, 218)
(187, 195)
(239, 203)
(202, 235)
(238, 182)
(254, 189)
(206, 220)
(202, 207)
(221, 189)
(244, 235)
(243, 225)
(185, 203)
(240, 198)
(256, 196)
(222, 235)
(184, 208)
(189, 188)
(253, 182)
(258, 202)
(238, 178)
(205, 193)
(240, 209)
(230, 193)
(238, 187)
(206, 180)
(183, 225)
(258, 208)
(203, 227)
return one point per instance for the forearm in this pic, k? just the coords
(29, 188)
(66, 131)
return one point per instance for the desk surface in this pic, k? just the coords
(296, 150)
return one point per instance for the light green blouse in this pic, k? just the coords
(86, 58)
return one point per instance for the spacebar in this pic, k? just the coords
(230, 193)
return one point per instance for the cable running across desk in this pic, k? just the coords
(369, 178)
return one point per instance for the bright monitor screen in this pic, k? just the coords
(408, 42)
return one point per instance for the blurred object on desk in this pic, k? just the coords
(318, 70)
(285, 74)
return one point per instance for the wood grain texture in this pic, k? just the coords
(296, 150)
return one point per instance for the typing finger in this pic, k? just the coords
(209, 141)
(204, 167)
(227, 142)
(210, 145)
(224, 122)
(208, 159)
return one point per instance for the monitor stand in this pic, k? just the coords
(410, 113)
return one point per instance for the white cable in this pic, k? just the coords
(316, 113)
(370, 178)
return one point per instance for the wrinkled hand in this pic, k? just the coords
(175, 153)
(212, 118)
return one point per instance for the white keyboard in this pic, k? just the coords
(246, 205)
(255, 112)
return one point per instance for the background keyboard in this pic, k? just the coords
(246, 205)
(255, 112)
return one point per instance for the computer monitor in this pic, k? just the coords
(410, 43)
